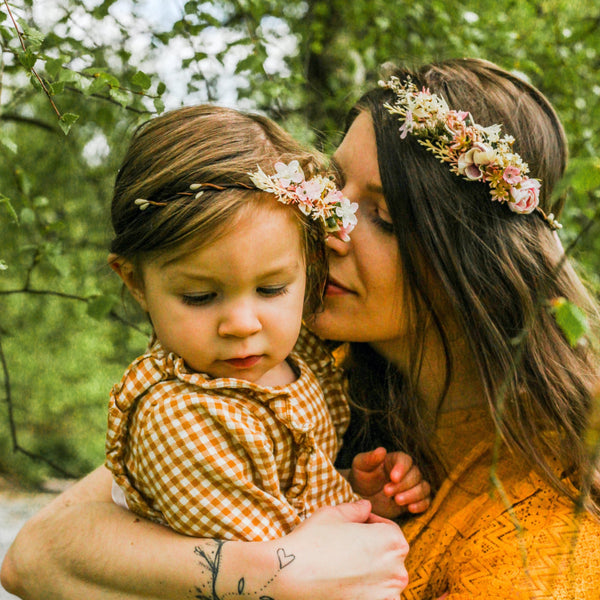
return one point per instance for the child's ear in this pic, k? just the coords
(131, 278)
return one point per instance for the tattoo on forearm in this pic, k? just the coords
(284, 559)
(210, 554)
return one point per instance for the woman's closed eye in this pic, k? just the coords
(382, 222)
(377, 214)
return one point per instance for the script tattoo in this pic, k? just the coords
(210, 554)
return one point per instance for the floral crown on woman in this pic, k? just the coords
(317, 197)
(477, 153)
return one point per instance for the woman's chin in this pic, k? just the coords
(328, 327)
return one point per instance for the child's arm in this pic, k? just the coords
(390, 481)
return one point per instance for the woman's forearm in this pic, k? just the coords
(84, 546)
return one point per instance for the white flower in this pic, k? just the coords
(492, 132)
(142, 203)
(346, 211)
(287, 174)
(407, 126)
(263, 182)
(426, 107)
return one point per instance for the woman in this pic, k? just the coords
(455, 355)
(464, 363)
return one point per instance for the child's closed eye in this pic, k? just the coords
(272, 290)
(198, 299)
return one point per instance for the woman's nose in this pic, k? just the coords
(334, 244)
(239, 320)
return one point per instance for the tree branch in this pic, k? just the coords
(32, 69)
(13, 428)
(29, 121)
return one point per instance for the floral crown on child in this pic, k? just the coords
(477, 153)
(317, 197)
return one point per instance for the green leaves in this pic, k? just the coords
(101, 11)
(120, 96)
(27, 58)
(303, 63)
(582, 175)
(141, 80)
(571, 320)
(53, 66)
(6, 203)
(66, 121)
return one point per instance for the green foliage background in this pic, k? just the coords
(73, 88)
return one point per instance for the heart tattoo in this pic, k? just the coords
(284, 559)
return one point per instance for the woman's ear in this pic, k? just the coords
(130, 276)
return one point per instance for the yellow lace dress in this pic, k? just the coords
(526, 542)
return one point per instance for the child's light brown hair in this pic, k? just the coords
(205, 144)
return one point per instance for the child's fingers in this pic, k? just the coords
(398, 465)
(418, 493)
(369, 461)
(411, 479)
(418, 507)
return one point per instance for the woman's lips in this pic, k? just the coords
(244, 363)
(335, 288)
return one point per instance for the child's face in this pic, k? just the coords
(232, 308)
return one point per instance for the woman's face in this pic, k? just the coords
(364, 298)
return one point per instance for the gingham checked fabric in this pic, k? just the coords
(227, 458)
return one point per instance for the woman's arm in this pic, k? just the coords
(84, 546)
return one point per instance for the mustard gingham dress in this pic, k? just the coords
(226, 458)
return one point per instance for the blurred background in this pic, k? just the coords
(77, 77)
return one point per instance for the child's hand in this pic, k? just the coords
(390, 481)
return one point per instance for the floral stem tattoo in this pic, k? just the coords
(212, 563)
(210, 555)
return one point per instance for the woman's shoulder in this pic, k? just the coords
(497, 527)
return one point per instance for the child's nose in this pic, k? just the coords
(239, 320)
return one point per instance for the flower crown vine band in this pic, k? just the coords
(477, 153)
(318, 197)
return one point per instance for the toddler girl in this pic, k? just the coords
(228, 425)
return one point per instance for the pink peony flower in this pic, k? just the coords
(525, 196)
(512, 175)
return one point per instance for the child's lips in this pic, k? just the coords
(245, 362)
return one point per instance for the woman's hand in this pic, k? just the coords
(343, 553)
